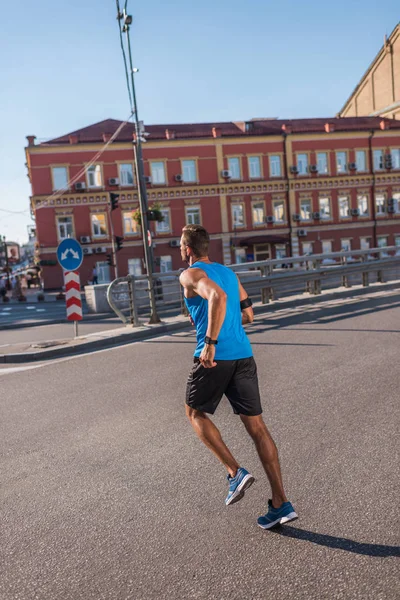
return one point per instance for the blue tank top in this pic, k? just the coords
(233, 343)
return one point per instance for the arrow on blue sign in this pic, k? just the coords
(70, 254)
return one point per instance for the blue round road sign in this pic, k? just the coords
(69, 254)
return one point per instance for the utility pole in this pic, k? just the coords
(111, 205)
(141, 185)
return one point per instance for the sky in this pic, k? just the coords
(215, 60)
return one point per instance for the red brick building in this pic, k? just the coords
(264, 188)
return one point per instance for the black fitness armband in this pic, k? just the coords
(246, 303)
(208, 340)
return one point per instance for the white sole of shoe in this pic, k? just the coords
(281, 521)
(244, 485)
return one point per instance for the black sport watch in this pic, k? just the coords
(208, 340)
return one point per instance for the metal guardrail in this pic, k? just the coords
(129, 296)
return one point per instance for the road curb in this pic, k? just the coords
(152, 331)
(86, 317)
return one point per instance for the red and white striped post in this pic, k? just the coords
(73, 298)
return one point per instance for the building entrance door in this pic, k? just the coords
(103, 272)
(262, 251)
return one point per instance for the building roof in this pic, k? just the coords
(371, 66)
(100, 132)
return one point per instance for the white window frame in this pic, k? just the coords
(343, 242)
(254, 161)
(302, 163)
(235, 171)
(278, 211)
(135, 226)
(165, 264)
(238, 207)
(94, 224)
(256, 206)
(365, 243)
(164, 226)
(275, 167)
(240, 256)
(189, 171)
(396, 196)
(363, 168)
(94, 176)
(158, 172)
(63, 235)
(324, 242)
(397, 243)
(135, 267)
(305, 245)
(380, 203)
(65, 185)
(324, 215)
(324, 163)
(360, 201)
(307, 201)
(123, 172)
(190, 211)
(395, 152)
(344, 206)
(340, 166)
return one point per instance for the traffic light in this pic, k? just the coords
(114, 200)
(151, 215)
(110, 260)
(118, 241)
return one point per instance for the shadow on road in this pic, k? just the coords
(338, 542)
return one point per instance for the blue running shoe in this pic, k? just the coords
(277, 516)
(238, 485)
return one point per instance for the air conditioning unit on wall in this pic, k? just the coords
(178, 177)
(296, 217)
(316, 215)
(313, 169)
(225, 174)
(113, 181)
(270, 219)
(80, 185)
(301, 232)
(87, 251)
(175, 243)
(85, 239)
(100, 250)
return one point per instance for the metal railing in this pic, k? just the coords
(129, 296)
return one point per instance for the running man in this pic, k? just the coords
(224, 364)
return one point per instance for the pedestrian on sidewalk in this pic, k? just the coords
(223, 364)
(95, 279)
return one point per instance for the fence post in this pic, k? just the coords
(365, 274)
(133, 315)
(317, 282)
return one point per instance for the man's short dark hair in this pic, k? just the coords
(196, 238)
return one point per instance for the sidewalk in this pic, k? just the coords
(27, 352)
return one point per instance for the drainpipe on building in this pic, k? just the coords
(285, 169)
(371, 161)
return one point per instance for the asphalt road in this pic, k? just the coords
(107, 493)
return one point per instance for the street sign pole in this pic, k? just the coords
(70, 256)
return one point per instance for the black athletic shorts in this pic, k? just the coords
(237, 379)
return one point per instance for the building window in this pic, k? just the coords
(325, 207)
(165, 225)
(307, 248)
(344, 207)
(94, 176)
(341, 162)
(305, 210)
(345, 244)
(279, 211)
(234, 167)
(240, 256)
(395, 159)
(135, 266)
(382, 242)
(397, 244)
(361, 161)
(238, 215)
(380, 202)
(131, 226)
(362, 204)
(258, 212)
(322, 163)
(255, 167)
(275, 165)
(364, 243)
(165, 264)
(99, 224)
(302, 164)
(64, 227)
(378, 160)
(193, 215)
(280, 251)
(326, 246)
(103, 271)
(189, 171)
(60, 178)
(157, 170)
(396, 202)
(126, 174)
